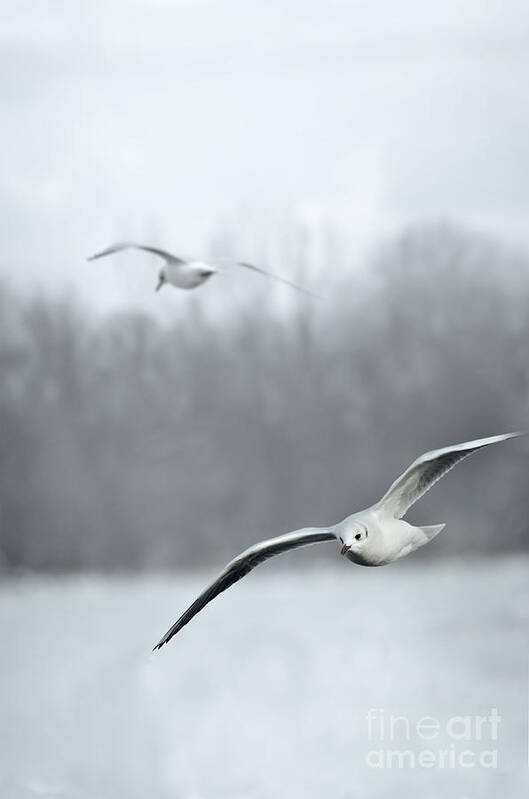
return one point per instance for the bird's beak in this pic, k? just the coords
(345, 549)
(160, 284)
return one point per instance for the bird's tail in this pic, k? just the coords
(431, 530)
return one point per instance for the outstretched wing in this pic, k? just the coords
(129, 245)
(245, 265)
(278, 278)
(427, 470)
(244, 563)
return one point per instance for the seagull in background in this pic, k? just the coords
(373, 537)
(188, 273)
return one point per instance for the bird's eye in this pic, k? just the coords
(358, 536)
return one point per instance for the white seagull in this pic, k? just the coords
(373, 537)
(188, 273)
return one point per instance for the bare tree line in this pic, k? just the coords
(129, 444)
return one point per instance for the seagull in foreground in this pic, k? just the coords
(188, 273)
(373, 537)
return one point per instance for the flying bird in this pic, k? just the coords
(372, 537)
(188, 273)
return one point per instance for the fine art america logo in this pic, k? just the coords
(465, 742)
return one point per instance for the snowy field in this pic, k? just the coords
(266, 693)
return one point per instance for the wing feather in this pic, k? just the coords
(278, 278)
(231, 262)
(427, 470)
(129, 245)
(244, 563)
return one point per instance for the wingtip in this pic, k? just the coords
(483, 442)
(307, 292)
(507, 436)
(97, 255)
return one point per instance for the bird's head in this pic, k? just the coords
(161, 279)
(353, 538)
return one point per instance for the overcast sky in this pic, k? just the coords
(167, 120)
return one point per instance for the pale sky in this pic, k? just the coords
(165, 121)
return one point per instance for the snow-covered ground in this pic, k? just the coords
(266, 693)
